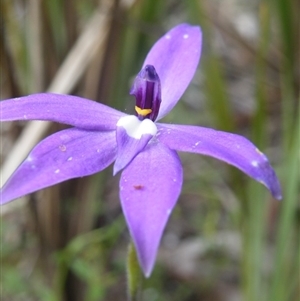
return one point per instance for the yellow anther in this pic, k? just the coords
(143, 112)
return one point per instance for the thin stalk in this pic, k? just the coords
(134, 275)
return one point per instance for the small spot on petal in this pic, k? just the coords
(185, 36)
(57, 171)
(25, 116)
(197, 143)
(254, 163)
(174, 180)
(168, 36)
(262, 182)
(259, 152)
(169, 211)
(63, 148)
(32, 166)
(64, 137)
(138, 187)
(70, 158)
(98, 150)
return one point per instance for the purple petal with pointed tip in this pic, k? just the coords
(64, 155)
(128, 148)
(76, 111)
(175, 57)
(149, 189)
(233, 149)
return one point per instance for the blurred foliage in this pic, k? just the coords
(227, 238)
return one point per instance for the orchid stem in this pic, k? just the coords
(134, 274)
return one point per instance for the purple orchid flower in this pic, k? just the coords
(152, 174)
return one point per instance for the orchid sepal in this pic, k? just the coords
(230, 148)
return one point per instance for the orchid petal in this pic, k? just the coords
(149, 189)
(64, 155)
(76, 111)
(175, 57)
(233, 149)
(132, 136)
(128, 148)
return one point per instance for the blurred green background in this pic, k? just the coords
(227, 239)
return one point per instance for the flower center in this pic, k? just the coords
(136, 128)
(147, 91)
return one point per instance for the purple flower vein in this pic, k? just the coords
(145, 150)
